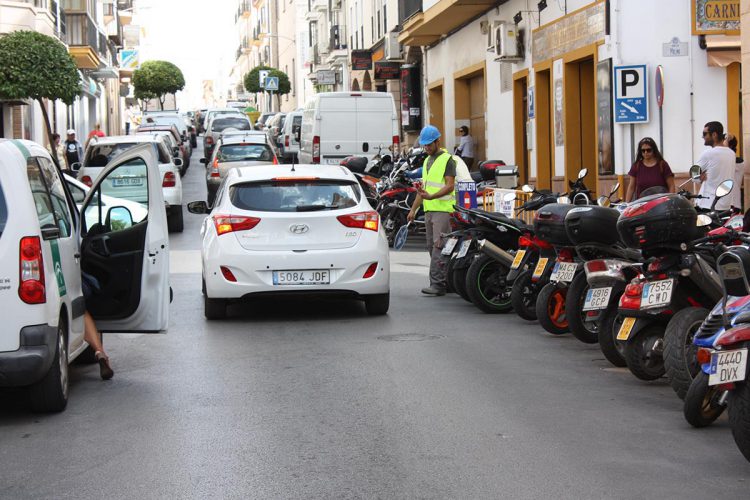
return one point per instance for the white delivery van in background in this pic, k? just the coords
(340, 124)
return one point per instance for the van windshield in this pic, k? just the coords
(3, 211)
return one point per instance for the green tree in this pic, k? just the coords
(37, 66)
(156, 79)
(252, 80)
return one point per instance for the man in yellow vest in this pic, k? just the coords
(437, 198)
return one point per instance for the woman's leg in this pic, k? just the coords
(92, 336)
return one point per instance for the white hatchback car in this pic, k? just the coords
(44, 246)
(307, 229)
(99, 153)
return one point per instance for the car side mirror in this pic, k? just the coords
(198, 207)
(176, 151)
(177, 162)
(76, 166)
(203, 160)
(118, 218)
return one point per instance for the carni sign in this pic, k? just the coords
(631, 94)
(716, 17)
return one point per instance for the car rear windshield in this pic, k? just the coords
(295, 195)
(99, 156)
(244, 152)
(221, 124)
(3, 211)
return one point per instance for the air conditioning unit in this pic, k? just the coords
(392, 47)
(507, 43)
(491, 35)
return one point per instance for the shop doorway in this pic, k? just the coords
(520, 124)
(470, 105)
(543, 113)
(580, 120)
(734, 103)
(435, 100)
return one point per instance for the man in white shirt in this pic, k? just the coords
(717, 165)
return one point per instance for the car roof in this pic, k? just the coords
(254, 137)
(263, 173)
(117, 139)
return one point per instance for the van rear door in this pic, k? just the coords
(375, 115)
(338, 128)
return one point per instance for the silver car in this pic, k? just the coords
(236, 149)
(218, 125)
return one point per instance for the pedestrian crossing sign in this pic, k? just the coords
(272, 83)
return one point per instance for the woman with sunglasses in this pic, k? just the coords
(649, 170)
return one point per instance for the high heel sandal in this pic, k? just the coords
(105, 370)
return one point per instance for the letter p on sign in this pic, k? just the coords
(631, 83)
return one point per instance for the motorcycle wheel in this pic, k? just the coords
(701, 402)
(643, 360)
(550, 309)
(613, 349)
(486, 285)
(450, 286)
(459, 282)
(739, 417)
(392, 223)
(586, 332)
(523, 296)
(679, 352)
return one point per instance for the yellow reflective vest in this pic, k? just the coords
(433, 181)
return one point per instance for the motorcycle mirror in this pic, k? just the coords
(695, 172)
(614, 189)
(603, 201)
(582, 173)
(703, 220)
(564, 200)
(724, 188)
(509, 197)
(527, 189)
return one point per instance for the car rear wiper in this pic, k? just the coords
(314, 208)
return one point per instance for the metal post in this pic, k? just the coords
(661, 130)
(632, 144)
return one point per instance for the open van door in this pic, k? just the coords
(126, 246)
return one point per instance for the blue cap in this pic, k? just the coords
(428, 135)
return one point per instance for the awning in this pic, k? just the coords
(723, 50)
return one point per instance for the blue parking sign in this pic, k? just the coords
(631, 94)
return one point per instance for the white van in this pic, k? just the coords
(340, 124)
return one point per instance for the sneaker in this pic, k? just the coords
(433, 291)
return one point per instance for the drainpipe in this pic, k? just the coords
(425, 99)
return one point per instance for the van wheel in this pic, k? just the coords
(175, 223)
(50, 394)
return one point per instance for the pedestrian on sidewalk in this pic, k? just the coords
(436, 196)
(128, 119)
(465, 148)
(73, 150)
(649, 170)
(97, 132)
(57, 150)
(717, 165)
(739, 172)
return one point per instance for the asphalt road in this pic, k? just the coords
(318, 400)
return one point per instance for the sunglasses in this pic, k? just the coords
(646, 150)
(706, 133)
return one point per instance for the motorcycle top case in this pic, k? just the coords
(549, 224)
(660, 221)
(592, 224)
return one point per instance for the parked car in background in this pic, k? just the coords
(311, 228)
(290, 136)
(45, 245)
(100, 153)
(220, 124)
(192, 132)
(263, 120)
(167, 118)
(340, 124)
(214, 112)
(236, 149)
(275, 126)
(184, 153)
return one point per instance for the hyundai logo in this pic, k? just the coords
(299, 228)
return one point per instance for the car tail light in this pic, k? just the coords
(396, 143)
(209, 140)
(87, 180)
(631, 298)
(370, 272)
(215, 169)
(286, 141)
(229, 223)
(316, 149)
(169, 180)
(294, 179)
(31, 270)
(275, 160)
(363, 220)
(227, 274)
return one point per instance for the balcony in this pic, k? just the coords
(425, 28)
(84, 40)
(407, 8)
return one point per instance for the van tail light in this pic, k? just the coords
(31, 270)
(316, 149)
(396, 143)
(370, 272)
(209, 140)
(363, 220)
(169, 180)
(230, 223)
(286, 141)
(87, 180)
(631, 298)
